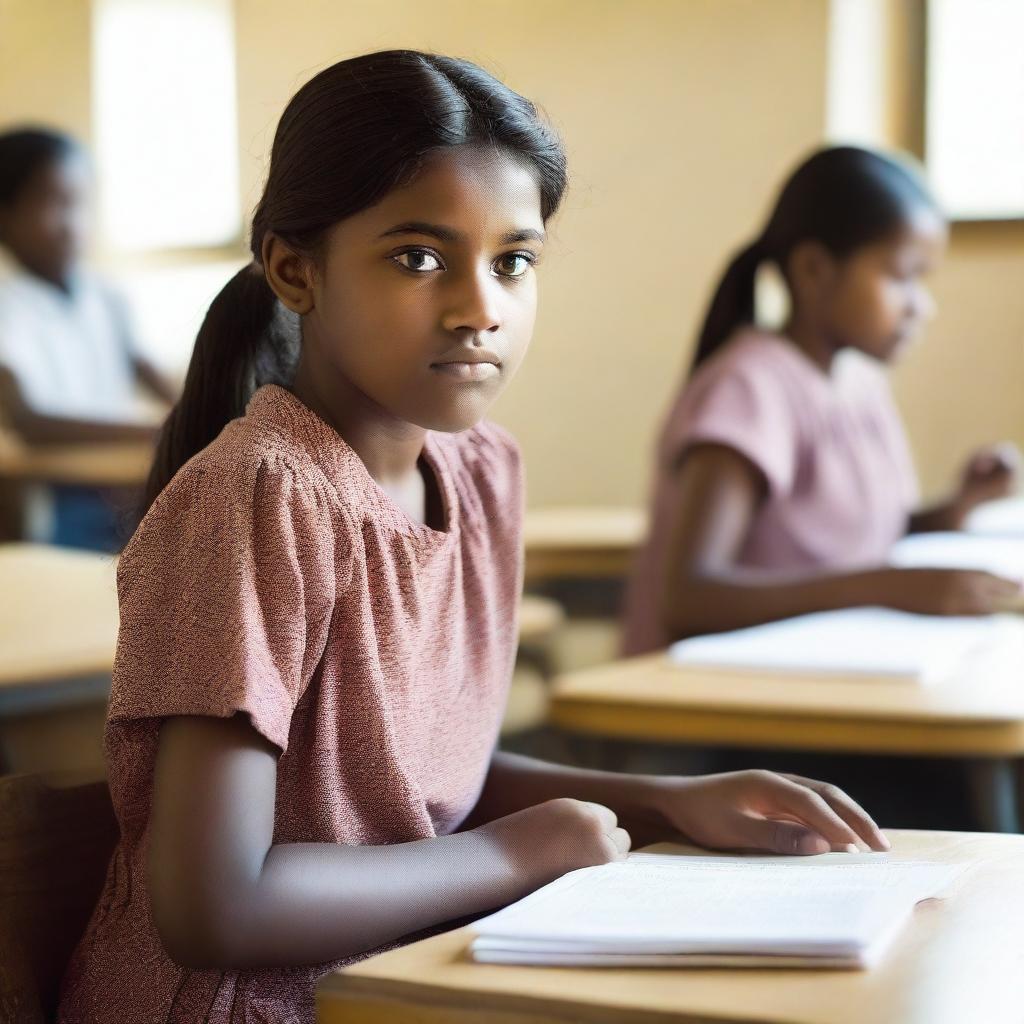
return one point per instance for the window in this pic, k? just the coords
(166, 137)
(974, 117)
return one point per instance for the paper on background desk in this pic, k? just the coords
(855, 642)
(1003, 556)
(835, 910)
(1003, 518)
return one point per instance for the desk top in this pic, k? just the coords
(579, 541)
(648, 698)
(58, 614)
(957, 960)
(123, 464)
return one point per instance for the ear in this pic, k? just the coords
(288, 274)
(810, 269)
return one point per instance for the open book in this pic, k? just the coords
(835, 910)
(855, 642)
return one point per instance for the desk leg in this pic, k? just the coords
(993, 782)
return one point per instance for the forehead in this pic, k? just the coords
(477, 191)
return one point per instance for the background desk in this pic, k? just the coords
(58, 631)
(579, 542)
(979, 716)
(957, 961)
(99, 465)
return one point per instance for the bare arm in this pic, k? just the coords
(706, 591)
(154, 380)
(515, 782)
(224, 895)
(38, 428)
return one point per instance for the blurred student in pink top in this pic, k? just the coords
(318, 611)
(783, 475)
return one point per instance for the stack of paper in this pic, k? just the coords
(1004, 518)
(1002, 556)
(836, 910)
(855, 642)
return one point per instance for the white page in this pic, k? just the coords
(652, 904)
(1003, 556)
(1003, 518)
(851, 642)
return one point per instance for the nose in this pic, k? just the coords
(473, 304)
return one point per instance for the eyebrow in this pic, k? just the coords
(445, 234)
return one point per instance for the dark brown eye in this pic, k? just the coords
(419, 260)
(513, 264)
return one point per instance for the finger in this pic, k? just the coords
(605, 815)
(622, 840)
(849, 810)
(808, 808)
(1003, 586)
(786, 837)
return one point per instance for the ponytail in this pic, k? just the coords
(733, 302)
(245, 341)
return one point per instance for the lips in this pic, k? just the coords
(468, 364)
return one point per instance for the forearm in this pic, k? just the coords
(311, 903)
(155, 381)
(948, 515)
(515, 782)
(735, 599)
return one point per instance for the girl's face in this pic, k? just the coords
(46, 226)
(877, 299)
(425, 303)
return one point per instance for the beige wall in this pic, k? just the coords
(680, 117)
(44, 63)
(964, 384)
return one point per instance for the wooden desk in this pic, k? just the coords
(980, 717)
(58, 630)
(957, 961)
(99, 465)
(58, 614)
(539, 617)
(581, 542)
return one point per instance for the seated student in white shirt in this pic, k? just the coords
(69, 367)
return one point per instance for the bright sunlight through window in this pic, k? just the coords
(166, 123)
(975, 107)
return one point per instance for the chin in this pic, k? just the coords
(451, 422)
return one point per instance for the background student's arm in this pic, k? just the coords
(154, 381)
(224, 895)
(990, 473)
(38, 428)
(738, 810)
(706, 591)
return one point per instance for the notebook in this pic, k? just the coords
(836, 910)
(1003, 518)
(853, 642)
(1003, 556)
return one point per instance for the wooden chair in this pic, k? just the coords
(55, 843)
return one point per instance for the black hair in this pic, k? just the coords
(842, 197)
(26, 151)
(349, 136)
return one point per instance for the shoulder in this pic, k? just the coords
(251, 493)
(752, 355)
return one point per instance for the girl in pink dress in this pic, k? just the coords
(783, 476)
(318, 611)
